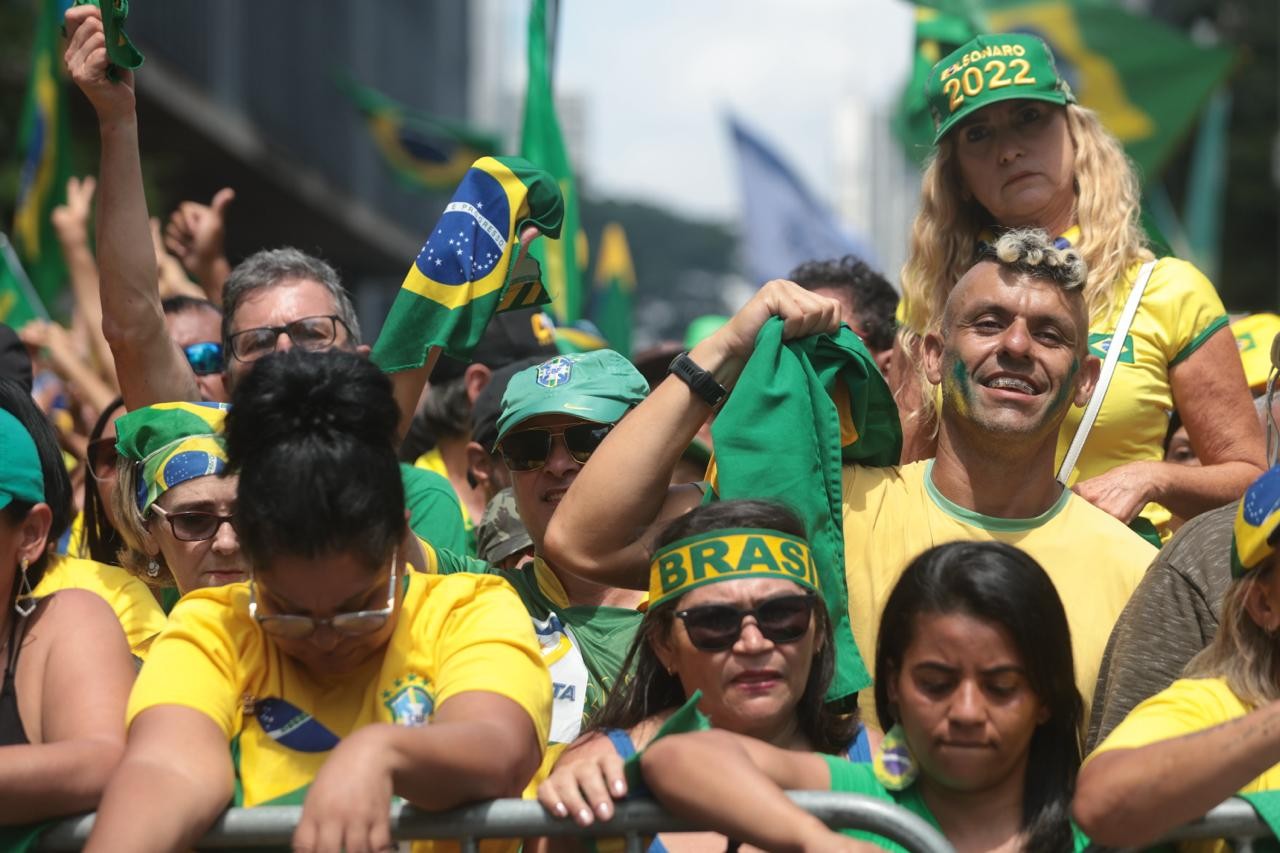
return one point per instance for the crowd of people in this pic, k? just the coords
(1001, 554)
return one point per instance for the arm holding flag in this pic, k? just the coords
(150, 367)
(622, 495)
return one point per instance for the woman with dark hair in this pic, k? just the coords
(137, 611)
(313, 681)
(735, 618)
(99, 538)
(975, 679)
(67, 669)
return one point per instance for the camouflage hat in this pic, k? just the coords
(500, 532)
(991, 68)
(595, 386)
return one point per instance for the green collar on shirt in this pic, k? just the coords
(987, 522)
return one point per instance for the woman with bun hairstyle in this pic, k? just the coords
(1015, 150)
(313, 681)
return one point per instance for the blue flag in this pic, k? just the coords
(783, 224)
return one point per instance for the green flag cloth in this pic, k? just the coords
(1267, 805)
(686, 719)
(542, 144)
(44, 142)
(422, 151)
(470, 267)
(800, 411)
(120, 50)
(19, 839)
(18, 302)
(1146, 80)
(615, 288)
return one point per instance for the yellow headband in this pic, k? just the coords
(724, 555)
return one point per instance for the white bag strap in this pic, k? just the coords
(1108, 368)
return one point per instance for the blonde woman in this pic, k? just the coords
(1014, 150)
(1215, 732)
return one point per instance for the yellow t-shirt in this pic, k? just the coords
(1187, 706)
(1180, 310)
(891, 515)
(454, 634)
(137, 609)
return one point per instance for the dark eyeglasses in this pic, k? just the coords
(194, 526)
(102, 458)
(204, 358)
(716, 627)
(355, 623)
(308, 333)
(529, 448)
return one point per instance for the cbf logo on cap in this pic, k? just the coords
(554, 372)
(992, 68)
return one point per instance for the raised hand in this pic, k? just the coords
(87, 63)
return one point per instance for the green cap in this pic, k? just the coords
(21, 477)
(701, 328)
(991, 68)
(596, 386)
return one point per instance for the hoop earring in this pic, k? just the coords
(24, 593)
(894, 765)
(153, 568)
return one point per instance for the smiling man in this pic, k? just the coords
(1011, 358)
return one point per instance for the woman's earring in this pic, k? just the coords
(25, 593)
(153, 568)
(894, 765)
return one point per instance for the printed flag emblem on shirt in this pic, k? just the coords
(464, 273)
(554, 372)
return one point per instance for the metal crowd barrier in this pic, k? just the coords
(273, 825)
(1234, 820)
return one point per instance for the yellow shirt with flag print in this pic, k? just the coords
(893, 514)
(454, 634)
(1187, 706)
(137, 609)
(1180, 310)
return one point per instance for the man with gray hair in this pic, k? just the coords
(1011, 356)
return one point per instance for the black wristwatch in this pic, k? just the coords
(700, 381)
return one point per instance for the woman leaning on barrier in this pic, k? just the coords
(974, 657)
(66, 662)
(1216, 732)
(754, 645)
(1014, 150)
(313, 682)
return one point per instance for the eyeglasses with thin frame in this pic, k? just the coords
(102, 456)
(354, 623)
(529, 449)
(307, 333)
(193, 525)
(716, 627)
(205, 358)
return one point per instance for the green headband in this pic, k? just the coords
(173, 442)
(725, 555)
(988, 69)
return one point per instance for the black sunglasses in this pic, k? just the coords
(193, 526)
(716, 627)
(529, 448)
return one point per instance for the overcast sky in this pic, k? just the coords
(658, 77)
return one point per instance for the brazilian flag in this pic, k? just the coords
(463, 275)
(615, 288)
(18, 301)
(44, 142)
(1147, 81)
(422, 151)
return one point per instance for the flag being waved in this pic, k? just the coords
(615, 288)
(471, 265)
(542, 144)
(18, 302)
(45, 143)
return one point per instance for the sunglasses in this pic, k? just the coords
(529, 449)
(102, 457)
(716, 627)
(355, 623)
(194, 526)
(205, 358)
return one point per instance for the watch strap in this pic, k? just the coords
(700, 381)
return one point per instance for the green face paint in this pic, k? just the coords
(957, 385)
(1065, 393)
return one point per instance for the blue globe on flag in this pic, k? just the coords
(470, 238)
